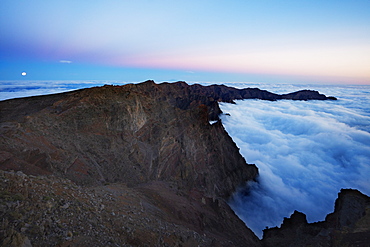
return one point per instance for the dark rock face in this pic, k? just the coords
(151, 140)
(348, 225)
(131, 134)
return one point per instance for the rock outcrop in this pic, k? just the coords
(149, 146)
(348, 225)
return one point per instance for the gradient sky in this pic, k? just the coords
(214, 41)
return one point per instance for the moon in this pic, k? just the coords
(24, 73)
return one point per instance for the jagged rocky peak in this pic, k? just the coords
(348, 225)
(352, 210)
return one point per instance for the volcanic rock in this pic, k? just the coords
(348, 225)
(131, 165)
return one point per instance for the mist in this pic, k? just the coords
(306, 151)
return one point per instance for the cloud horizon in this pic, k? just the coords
(305, 152)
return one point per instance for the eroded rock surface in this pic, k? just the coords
(135, 165)
(348, 225)
(52, 211)
(131, 134)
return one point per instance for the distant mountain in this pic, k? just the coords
(138, 164)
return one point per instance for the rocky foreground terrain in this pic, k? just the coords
(133, 165)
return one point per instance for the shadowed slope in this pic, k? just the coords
(153, 139)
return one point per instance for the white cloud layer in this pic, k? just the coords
(305, 151)
(18, 89)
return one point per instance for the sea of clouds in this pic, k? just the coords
(23, 88)
(306, 151)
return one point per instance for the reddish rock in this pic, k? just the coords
(153, 141)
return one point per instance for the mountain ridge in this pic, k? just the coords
(153, 140)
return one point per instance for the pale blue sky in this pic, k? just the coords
(262, 41)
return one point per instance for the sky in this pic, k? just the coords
(210, 41)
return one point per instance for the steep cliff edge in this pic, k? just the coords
(348, 225)
(150, 145)
(131, 134)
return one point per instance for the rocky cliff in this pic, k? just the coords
(348, 225)
(138, 164)
(131, 134)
